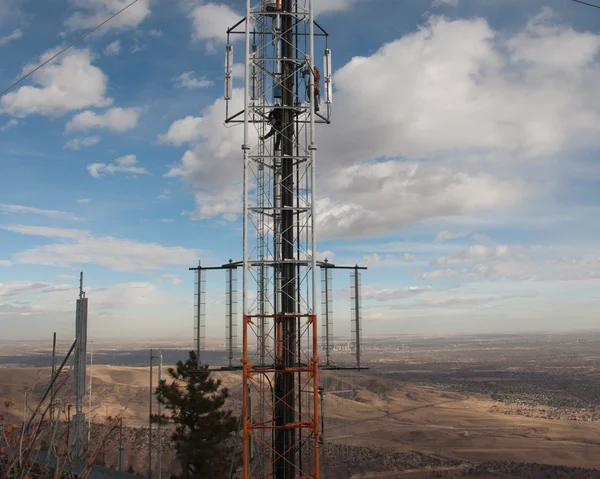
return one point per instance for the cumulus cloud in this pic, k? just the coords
(124, 164)
(457, 85)
(182, 131)
(90, 13)
(77, 247)
(79, 143)
(84, 200)
(473, 103)
(69, 83)
(211, 21)
(20, 209)
(190, 81)
(208, 164)
(113, 48)
(114, 119)
(15, 35)
(364, 198)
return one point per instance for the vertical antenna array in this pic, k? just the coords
(355, 311)
(327, 313)
(199, 310)
(231, 314)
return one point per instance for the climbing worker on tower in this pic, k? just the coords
(276, 120)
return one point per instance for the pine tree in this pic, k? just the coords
(204, 429)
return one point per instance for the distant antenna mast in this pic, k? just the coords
(80, 363)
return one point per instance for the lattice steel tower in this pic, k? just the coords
(281, 101)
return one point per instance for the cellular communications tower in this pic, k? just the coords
(281, 105)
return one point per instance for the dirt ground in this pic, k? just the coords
(381, 413)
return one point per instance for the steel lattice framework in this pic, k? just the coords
(280, 360)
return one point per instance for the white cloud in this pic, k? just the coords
(448, 235)
(516, 267)
(128, 295)
(386, 294)
(371, 259)
(164, 195)
(439, 3)
(9, 124)
(213, 155)
(114, 119)
(473, 103)
(47, 231)
(390, 259)
(155, 33)
(93, 12)
(190, 81)
(113, 305)
(325, 255)
(407, 257)
(183, 131)
(15, 35)
(211, 21)
(124, 164)
(84, 200)
(113, 48)
(480, 238)
(15, 288)
(479, 252)
(78, 143)
(171, 277)
(238, 70)
(78, 247)
(328, 6)
(469, 301)
(363, 199)
(69, 83)
(66, 276)
(4, 263)
(19, 209)
(553, 47)
(458, 85)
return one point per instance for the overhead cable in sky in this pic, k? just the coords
(67, 47)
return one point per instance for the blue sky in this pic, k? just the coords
(461, 165)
